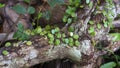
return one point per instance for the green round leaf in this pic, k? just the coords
(38, 30)
(47, 27)
(58, 35)
(53, 31)
(57, 29)
(19, 9)
(7, 44)
(2, 5)
(71, 29)
(29, 43)
(71, 44)
(50, 42)
(69, 20)
(71, 40)
(77, 43)
(87, 1)
(57, 42)
(76, 36)
(31, 10)
(63, 35)
(66, 40)
(108, 65)
(27, 1)
(50, 36)
(5, 52)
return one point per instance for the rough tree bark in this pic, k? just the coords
(85, 55)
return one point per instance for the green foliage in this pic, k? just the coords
(55, 36)
(20, 33)
(75, 36)
(29, 43)
(53, 3)
(87, 1)
(27, 1)
(91, 31)
(19, 9)
(63, 35)
(91, 22)
(2, 5)
(91, 4)
(74, 2)
(108, 13)
(77, 43)
(7, 44)
(30, 10)
(57, 42)
(98, 26)
(71, 29)
(38, 30)
(58, 35)
(5, 52)
(116, 36)
(46, 15)
(22, 10)
(71, 15)
(66, 40)
(108, 65)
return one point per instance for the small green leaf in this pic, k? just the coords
(29, 43)
(5, 52)
(71, 40)
(87, 1)
(63, 35)
(65, 18)
(71, 29)
(31, 10)
(52, 39)
(105, 25)
(75, 36)
(98, 26)
(47, 27)
(39, 15)
(7, 44)
(66, 40)
(116, 36)
(91, 30)
(73, 14)
(50, 42)
(71, 43)
(91, 22)
(77, 43)
(2, 5)
(20, 26)
(91, 4)
(50, 36)
(57, 29)
(58, 35)
(27, 1)
(69, 20)
(81, 6)
(57, 42)
(19, 9)
(53, 3)
(108, 65)
(46, 15)
(53, 31)
(38, 30)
